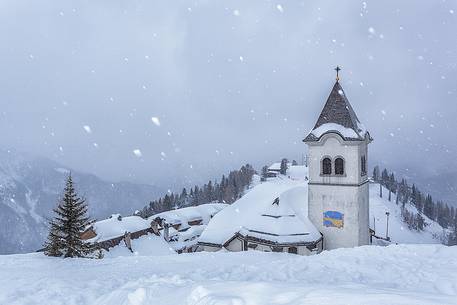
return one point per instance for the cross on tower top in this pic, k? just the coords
(337, 69)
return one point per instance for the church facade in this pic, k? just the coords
(338, 198)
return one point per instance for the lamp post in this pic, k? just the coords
(387, 226)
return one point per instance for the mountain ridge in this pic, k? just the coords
(30, 187)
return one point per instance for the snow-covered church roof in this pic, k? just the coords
(339, 117)
(275, 211)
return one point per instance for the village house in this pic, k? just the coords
(180, 228)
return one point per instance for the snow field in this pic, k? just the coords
(397, 274)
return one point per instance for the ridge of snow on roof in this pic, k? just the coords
(337, 116)
(275, 166)
(112, 227)
(246, 215)
(184, 215)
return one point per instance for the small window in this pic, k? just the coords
(363, 162)
(277, 249)
(292, 250)
(339, 166)
(326, 166)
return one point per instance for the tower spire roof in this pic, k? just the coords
(337, 116)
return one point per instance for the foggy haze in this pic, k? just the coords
(173, 92)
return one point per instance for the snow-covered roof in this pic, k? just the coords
(256, 214)
(337, 116)
(275, 166)
(146, 245)
(184, 215)
(116, 226)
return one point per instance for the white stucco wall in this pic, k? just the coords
(237, 245)
(347, 194)
(208, 248)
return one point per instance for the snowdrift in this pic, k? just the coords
(369, 275)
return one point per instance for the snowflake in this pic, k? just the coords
(137, 152)
(155, 120)
(87, 128)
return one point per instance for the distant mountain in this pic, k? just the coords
(30, 187)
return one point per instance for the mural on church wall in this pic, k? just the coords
(333, 219)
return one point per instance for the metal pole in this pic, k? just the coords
(387, 228)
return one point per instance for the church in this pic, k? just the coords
(321, 206)
(338, 199)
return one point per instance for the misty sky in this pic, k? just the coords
(229, 81)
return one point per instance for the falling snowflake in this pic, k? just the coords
(163, 154)
(87, 128)
(371, 30)
(279, 7)
(137, 152)
(155, 120)
(241, 58)
(236, 13)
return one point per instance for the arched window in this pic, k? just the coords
(326, 166)
(364, 166)
(339, 166)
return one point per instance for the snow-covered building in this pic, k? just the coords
(181, 228)
(271, 217)
(112, 231)
(275, 169)
(325, 208)
(338, 180)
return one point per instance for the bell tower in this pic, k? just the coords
(338, 199)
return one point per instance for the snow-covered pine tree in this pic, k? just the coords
(54, 243)
(66, 227)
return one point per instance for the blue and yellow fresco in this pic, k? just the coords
(333, 219)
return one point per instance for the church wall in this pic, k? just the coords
(209, 248)
(364, 214)
(332, 146)
(352, 203)
(235, 245)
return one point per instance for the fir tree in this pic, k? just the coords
(283, 168)
(264, 173)
(54, 243)
(70, 221)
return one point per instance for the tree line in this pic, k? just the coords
(228, 190)
(443, 214)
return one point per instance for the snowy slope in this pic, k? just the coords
(30, 186)
(369, 275)
(244, 212)
(398, 230)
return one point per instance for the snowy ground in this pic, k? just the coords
(398, 274)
